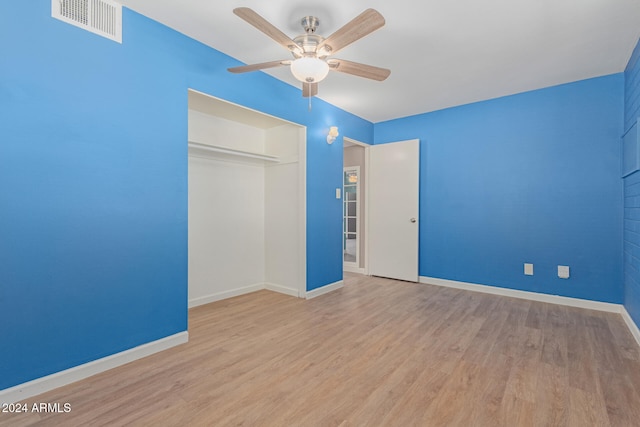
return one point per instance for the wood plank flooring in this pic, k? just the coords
(376, 353)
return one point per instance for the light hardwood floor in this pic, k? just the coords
(376, 353)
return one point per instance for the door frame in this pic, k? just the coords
(365, 231)
(347, 265)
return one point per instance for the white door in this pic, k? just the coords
(393, 209)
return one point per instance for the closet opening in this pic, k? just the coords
(247, 202)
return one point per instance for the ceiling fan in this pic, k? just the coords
(311, 52)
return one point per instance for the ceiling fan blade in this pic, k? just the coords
(256, 67)
(309, 89)
(266, 27)
(360, 70)
(360, 26)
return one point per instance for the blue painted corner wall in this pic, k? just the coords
(528, 178)
(93, 183)
(632, 194)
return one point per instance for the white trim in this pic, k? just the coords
(302, 213)
(243, 107)
(367, 157)
(281, 289)
(354, 142)
(224, 295)
(364, 210)
(352, 269)
(325, 289)
(195, 302)
(77, 373)
(533, 296)
(633, 328)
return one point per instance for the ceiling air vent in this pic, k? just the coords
(103, 17)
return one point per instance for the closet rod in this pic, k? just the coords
(240, 153)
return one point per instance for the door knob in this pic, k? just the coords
(412, 220)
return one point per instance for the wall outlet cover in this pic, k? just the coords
(563, 271)
(528, 269)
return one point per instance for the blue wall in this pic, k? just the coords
(533, 177)
(93, 183)
(632, 194)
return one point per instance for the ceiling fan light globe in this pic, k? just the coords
(309, 69)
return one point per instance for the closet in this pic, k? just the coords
(247, 183)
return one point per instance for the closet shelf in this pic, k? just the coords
(213, 149)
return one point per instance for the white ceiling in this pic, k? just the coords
(441, 53)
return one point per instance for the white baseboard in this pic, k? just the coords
(351, 269)
(533, 296)
(281, 289)
(324, 290)
(242, 291)
(68, 376)
(633, 328)
(41, 385)
(224, 295)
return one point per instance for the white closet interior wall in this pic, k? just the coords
(281, 210)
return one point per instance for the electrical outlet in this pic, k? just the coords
(563, 271)
(528, 269)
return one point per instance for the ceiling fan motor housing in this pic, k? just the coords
(309, 43)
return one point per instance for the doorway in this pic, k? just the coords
(354, 238)
(351, 217)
